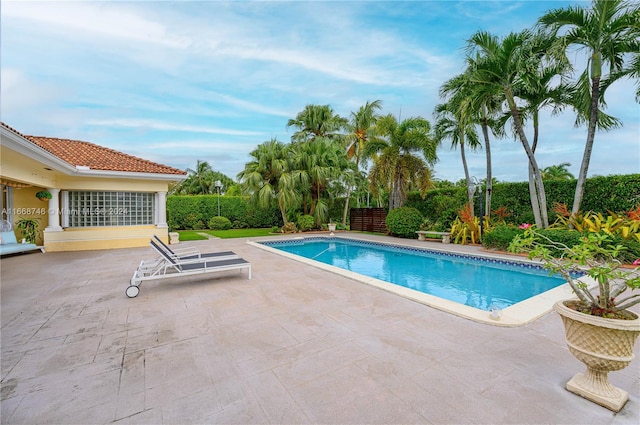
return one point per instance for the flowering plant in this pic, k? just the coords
(525, 226)
(596, 255)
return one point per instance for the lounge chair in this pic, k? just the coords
(168, 266)
(190, 253)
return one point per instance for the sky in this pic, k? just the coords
(179, 81)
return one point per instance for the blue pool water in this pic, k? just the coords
(474, 281)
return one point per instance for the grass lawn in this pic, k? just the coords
(194, 235)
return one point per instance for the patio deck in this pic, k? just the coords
(295, 344)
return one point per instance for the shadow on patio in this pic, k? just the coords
(295, 344)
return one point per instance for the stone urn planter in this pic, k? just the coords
(599, 326)
(332, 227)
(603, 345)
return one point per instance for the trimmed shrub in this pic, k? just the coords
(404, 222)
(290, 227)
(500, 237)
(239, 224)
(305, 223)
(219, 223)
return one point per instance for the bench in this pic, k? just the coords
(423, 234)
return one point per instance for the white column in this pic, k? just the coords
(54, 211)
(161, 210)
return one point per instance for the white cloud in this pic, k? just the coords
(249, 106)
(21, 93)
(142, 124)
(110, 20)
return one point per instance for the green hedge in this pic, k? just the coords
(602, 194)
(194, 212)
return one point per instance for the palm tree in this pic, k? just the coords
(352, 180)
(360, 128)
(608, 30)
(454, 123)
(317, 121)
(268, 177)
(498, 69)
(199, 181)
(537, 86)
(633, 71)
(397, 163)
(479, 108)
(316, 164)
(557, 172)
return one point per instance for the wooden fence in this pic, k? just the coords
(368, 219)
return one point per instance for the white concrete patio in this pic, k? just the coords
(293, 345)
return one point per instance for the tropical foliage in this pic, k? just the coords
(268, 177)
(317, 121)
(500, 68)
(361, 128)
(454, 124)
(557, 172)
(29, 228)
(625, 225)
(466, 227)
(597, 254)
(403, 153)
(608, 31)
(202, 181)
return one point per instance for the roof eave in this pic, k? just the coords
(27, 148)
(129, 175)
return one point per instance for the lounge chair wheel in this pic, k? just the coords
(132, 291)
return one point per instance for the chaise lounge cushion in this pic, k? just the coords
(9, 244)
(7, 238)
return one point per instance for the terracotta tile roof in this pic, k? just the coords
(11, 129)
(77, 152)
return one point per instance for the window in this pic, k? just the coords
(97, 209)
(6, 202)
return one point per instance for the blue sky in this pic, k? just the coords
(175, 82)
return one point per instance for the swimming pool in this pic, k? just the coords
(472, 282)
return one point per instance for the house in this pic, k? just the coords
(100, 198)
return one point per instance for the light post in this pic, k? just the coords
(477, 186)
(218, 184)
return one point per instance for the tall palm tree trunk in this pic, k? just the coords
(588, 147)
(394, 196)
(533, 196)
(540, 213)
(487, 145)
(283, 213)
(533, 191)
(467, 177)
(346, 207)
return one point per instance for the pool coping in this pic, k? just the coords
(515, 315)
